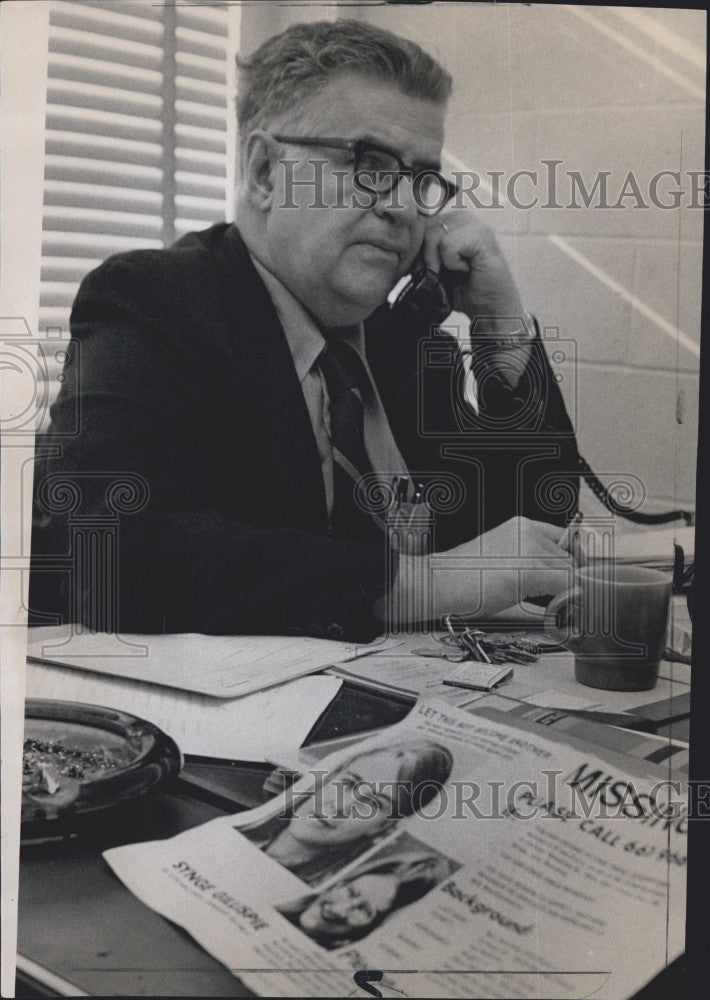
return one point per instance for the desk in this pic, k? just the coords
(79, 921)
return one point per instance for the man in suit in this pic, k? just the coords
(245, 381)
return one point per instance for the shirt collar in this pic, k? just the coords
(305, 340)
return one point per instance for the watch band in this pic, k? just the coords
(508, 341)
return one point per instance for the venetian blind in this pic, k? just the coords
(136, 135)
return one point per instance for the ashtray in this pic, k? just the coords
(78, 760)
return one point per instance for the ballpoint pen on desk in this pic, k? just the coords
(466, 638)
(470, 638)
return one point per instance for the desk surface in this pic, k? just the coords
(77, 920)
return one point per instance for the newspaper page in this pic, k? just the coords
(455, 855)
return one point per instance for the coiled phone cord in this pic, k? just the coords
(582, 467)
(426, 296)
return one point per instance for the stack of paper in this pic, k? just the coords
(223, 666)
(655, 548)
(235, 697)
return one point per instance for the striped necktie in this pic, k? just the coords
(347, 383)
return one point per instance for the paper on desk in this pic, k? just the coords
(410, 675)
(223, 666)
(558, 699)
(655, 548)
(266, 725)
(565, 897)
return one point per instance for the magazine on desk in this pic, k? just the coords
(457, 854)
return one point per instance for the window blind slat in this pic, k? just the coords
(201, 94)
(204, 20)
(68, 268)
(198, 161)
(56, 294)
(62, 243)
(67, 43)
(107, 141)
(115, 24)
(103, 99)
(97, 197)
(77, 220)
(197, 44)
(90, 171)
(55, 316)
(87, 71)
(99, 147)
(136, 9)
(199, 207)
(118, 126)
(199, 116)
(201, 68)
(202, 186)
(199, 139)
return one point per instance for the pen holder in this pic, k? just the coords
(410, 532)
(410, 529)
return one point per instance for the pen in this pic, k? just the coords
(482, 653)
(570, 539)
(416, 501)
(396, 501)
(473, 646)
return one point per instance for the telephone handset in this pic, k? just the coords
(426, 296)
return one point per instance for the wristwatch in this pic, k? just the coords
(508, 341)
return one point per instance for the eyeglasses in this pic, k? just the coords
(379, 170)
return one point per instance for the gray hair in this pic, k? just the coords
(293, 65)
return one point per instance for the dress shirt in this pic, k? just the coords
(305, 342)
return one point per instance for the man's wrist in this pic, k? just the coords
(503, 333)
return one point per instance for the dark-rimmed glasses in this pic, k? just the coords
(379, 170)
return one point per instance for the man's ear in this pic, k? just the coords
(259, 162)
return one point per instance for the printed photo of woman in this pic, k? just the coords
(352, 807)
(353, 907)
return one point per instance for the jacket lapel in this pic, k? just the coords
(271, 399)
(393, 350)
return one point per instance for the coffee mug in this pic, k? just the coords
(614, 619)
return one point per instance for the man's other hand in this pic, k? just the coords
(518, 559)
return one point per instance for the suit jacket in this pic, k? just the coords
(186, 392)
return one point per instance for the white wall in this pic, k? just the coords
(589, 87)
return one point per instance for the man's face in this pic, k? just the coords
(341, 262)
(357, 800)
(349, 906)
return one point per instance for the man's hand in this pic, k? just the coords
(466, 254)
(483, 287)
(518, 559)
